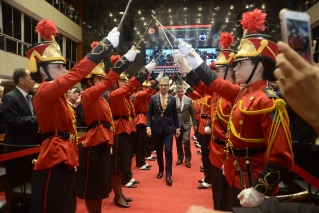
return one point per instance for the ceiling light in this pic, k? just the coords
(263, 6)
(169, 10)
(139, 12)
(115, 19)
(231, 7)
(142, 18)
(121, 13)
(185, 8)
(199, 8)
(111, 15)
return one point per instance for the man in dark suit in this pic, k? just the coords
(185, 110)
(162, 122)
(21, 125)
(20, 121)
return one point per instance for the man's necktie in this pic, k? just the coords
(163, 103)
(28, 97)
(180, 105)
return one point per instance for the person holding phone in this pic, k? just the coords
(296, 31)
(258, 146)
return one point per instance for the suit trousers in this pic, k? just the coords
(184, 139)
(164, 140)
(141, 145)
(219, 186)
(205, 139)
(127, 175)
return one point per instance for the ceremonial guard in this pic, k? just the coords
(53, 178)
(123, 127)
(141, 100)
(258, 146)
(94, 181)
(220, 112)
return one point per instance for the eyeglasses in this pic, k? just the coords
(163, 85)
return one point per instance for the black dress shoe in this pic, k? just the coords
(200, 181)
(128, 199)
(201, 170)
(160, 175)
(201, 167)
(135, 181)
(204, 186)
(179, 162)
(199, 152)
(168, 180)
(152, 158)
(188, 164)
(129, 185)
(121, 205)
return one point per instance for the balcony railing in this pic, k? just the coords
(67, 11)
(307, 5)
(13, 45)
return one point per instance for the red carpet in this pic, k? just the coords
(153, 195)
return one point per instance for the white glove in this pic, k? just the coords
(182, 63)
(150, 67)
(170, 81)
(184, 48)
(172, 87)
(207, 129)
(114, 37)
(223, 170)
(250, 197)
(160, 76)
(131, 54)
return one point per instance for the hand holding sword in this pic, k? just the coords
(188, 50)
(114, 35)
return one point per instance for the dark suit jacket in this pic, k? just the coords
(21, 126)
(186, 112)
(169, 122)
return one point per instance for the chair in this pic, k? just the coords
(18, 174)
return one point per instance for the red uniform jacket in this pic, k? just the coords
(96, 108)
(220, 112)
(204, 116)
(252, 124)
(132, 113)
(141, 100)
(258, 121)
(120, 106)
(53, 114)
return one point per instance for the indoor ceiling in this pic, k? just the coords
(101, 16)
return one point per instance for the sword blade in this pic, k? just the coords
(125, 13)
(164, 29)
(159, 55)
(142, 37)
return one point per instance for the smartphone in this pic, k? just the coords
(296, 32)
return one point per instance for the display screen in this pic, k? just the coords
(199, 36)
(298, 33)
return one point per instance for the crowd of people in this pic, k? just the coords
(242, 126)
